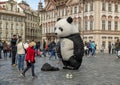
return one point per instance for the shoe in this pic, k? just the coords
(22, 75)
(13, 65)
(34, 76)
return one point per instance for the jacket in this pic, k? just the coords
(30, 55)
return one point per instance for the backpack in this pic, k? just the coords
(48, 67)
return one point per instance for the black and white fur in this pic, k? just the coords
(71, 45)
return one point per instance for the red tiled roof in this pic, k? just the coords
(3, 2)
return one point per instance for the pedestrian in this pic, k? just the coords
(44, 48)
(102, 49)
(5, 49)
(109, 48)
(9, 50)
(20, 54)
(112, 48)
(53, 53)
(30, 59)
(117, 47)
(1, 47)
(86, 50)
(93, 46)
(14, 49)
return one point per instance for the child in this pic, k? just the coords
(30, 59)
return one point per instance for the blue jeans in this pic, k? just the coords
(21, 58)
(28, 67)
(93, 51)
(44, 52)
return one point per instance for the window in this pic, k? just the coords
(116, 8)
(6, 26)
(18, 10)
(109, 7)
(0, 25)
(91, 6)
(75, 9)
(71, 10)
(104, 44)
(11, 18)
(79, 9)
(22, 26)
(116, 25)
(85, 25)
(17, 26)
(86, 7)
(0, 17)
(91, 25)
(4, 17)
(11, 26)
(11, 7)
(109, 25)
(103, 24)
(63, 12)
(103, 6)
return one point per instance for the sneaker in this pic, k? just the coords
(34, 76)
(13, 65)
(22, 75)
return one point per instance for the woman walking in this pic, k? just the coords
(20, 54)
(30, 59)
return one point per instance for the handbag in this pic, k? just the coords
(29, 64)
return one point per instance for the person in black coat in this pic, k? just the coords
(14, 49)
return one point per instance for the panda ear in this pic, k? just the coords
(70, 20)
(58, 19)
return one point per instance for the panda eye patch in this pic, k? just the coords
(60, 28)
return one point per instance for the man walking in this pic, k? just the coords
(14, 49)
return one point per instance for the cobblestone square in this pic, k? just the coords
(104, 69)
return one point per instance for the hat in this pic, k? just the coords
(31, 44)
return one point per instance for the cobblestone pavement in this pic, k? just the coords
(104, 69)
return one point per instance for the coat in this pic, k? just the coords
(30, 55)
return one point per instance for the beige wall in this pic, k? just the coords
(96, 34)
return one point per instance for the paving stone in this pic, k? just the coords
(101, 70)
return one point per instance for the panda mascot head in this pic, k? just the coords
(64, 27)
(71, 47)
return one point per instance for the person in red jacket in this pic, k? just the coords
(30, 59)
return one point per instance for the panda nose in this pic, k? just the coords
(55, 33)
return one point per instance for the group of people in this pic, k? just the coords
(20, 52)
(49, 48)
(90, 48)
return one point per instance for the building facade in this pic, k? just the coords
(97, 20)
(12, 20)
(32, 28)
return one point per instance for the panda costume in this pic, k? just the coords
(71, 47)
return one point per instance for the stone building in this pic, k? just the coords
(97, 20)
(12, 20)
(32, 28)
